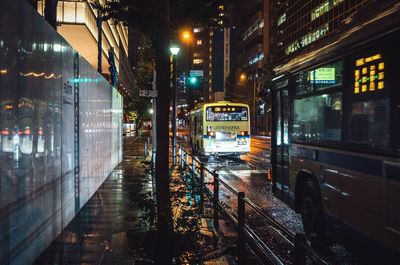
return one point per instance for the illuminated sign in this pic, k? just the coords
(227, 109)
(323, 75)
(369, 74)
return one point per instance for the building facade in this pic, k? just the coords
(77, 23)
(252, 19)
(301, 24)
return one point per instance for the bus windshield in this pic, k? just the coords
(227, 113)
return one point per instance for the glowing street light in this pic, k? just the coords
(174, 51)
(186, 36)
(243, 77)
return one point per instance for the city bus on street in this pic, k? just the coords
(220, 128)
(335, 153)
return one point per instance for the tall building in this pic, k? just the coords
(301, 24)
(221, 53)
(252, 19)
(77, 23)
(198, 60)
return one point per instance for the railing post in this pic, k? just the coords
(201, 188)
(194, 166)
(299, 255)
(181, 157)
(187, 160)
(241, 223)
(216, 201)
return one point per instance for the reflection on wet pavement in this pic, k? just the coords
(107, 230)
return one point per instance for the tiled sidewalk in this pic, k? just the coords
(108, 229)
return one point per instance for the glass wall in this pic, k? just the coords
(40, 188)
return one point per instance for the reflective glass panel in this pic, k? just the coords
(318, 118)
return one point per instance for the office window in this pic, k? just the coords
(281, 19)
(198, 61)
(199, 42)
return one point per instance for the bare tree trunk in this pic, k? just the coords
(50, 12)
(164, 225)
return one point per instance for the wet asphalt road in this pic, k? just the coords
(249, 174)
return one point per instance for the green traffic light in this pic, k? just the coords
(193, 80)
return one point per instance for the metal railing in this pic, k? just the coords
(302, 248)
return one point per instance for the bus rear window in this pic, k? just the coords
(227, 113)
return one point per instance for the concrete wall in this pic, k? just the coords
(60, 133)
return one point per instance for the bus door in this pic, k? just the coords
(281, 143)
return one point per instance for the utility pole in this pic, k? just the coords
(164, 213)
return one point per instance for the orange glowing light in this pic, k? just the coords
(186, 36)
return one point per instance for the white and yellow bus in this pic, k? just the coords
(220, 128)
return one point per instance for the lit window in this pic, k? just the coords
(258, 25)
(197, 30)
(196, 54)
(324, 7)
(199, 42)
(281, 19)
(198, 61)
(307, 39)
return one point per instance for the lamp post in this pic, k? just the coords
(174, 51)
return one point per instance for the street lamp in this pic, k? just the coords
(243, 77)
(186, 36)
(174, 51)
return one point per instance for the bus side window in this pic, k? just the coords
(369, 123)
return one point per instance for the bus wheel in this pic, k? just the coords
(311, 213)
